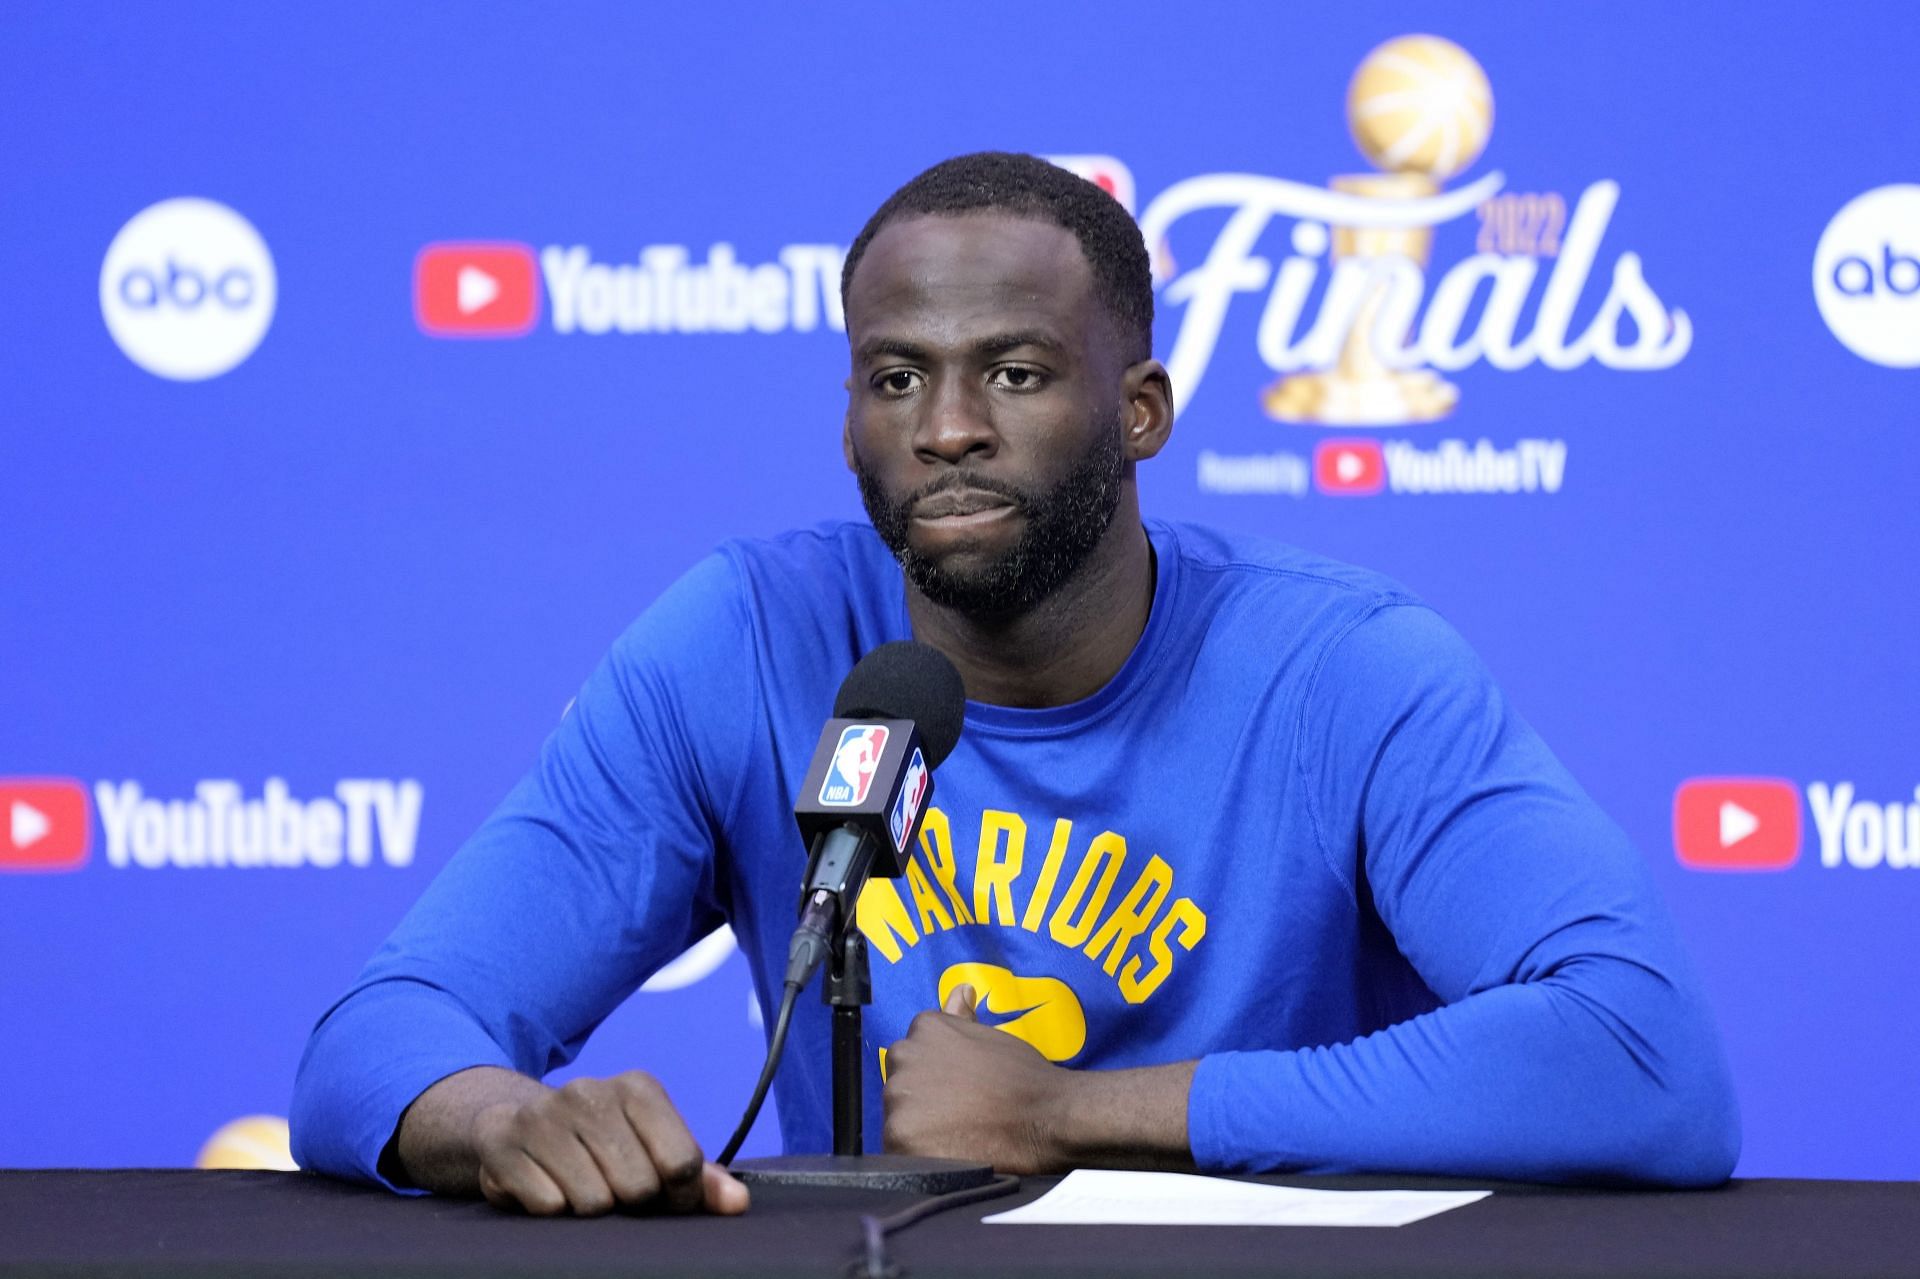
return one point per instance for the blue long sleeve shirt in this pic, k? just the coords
(1300, 836)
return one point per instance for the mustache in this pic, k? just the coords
(964, 481)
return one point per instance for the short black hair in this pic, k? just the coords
(1027, 186)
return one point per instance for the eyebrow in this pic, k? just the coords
(1004, 342)
(998, 344)
(876, 347)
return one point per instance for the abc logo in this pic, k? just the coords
(1866, 276)
(187, 289)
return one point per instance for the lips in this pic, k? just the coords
(959, 503)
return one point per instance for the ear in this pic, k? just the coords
(1149, 409)
(846, 429)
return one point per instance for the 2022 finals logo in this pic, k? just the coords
(1360, 325)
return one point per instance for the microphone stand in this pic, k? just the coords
(848, 988)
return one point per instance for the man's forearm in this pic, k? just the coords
(435, 1148)
(961, 1090)
(1126, 1118)
(1536, 1081)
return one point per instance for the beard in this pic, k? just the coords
(1060, 527)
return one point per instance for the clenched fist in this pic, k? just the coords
(960, 1090)
(586, 1148)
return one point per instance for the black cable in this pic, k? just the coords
(807, 951)
(875, 1230)
(810, 947)
(775, 1047)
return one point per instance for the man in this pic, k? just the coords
(1242, 847)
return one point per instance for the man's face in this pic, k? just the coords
(985, 413)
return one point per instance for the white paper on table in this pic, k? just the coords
(1091, 1196)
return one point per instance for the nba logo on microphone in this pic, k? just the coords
(850, 776)
(906, 805)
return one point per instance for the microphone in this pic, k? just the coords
(864, 797)
(896, 718)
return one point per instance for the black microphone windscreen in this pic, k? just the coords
(907, 680)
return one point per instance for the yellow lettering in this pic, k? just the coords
(1193, 926)
(1049, 872)
(925, 901)
(1104, 855)
(993, 875)
(1080, 920)
(1131, 917)
(936, 840)
(882, 916)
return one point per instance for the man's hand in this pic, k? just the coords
(594, 1145)
(960, 1090)
(586, 1148)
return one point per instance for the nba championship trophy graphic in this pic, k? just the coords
(1420, 109)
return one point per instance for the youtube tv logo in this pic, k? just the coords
(476, 290)
(1736, 823)
(1349, 468)
(43, 824)
(1104, 171)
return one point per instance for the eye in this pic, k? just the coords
(896, 382)
(1018, 377)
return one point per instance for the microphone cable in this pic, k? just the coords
(809, 948)
(775, 1047)
(874, 1263)
(806, 952)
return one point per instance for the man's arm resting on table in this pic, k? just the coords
(1135, 1118)
(961, 1090)
(586, 1148)
(595, 870)
(1533, 1081)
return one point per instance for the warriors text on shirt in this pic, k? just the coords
(1132, 935)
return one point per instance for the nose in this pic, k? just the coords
(955, 423)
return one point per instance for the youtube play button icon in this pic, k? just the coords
(468, 290)
(43, 824)
(1349, 468)
(1736, 823)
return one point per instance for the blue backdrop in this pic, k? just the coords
(321, 492)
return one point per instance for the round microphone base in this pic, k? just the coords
(910, 1173)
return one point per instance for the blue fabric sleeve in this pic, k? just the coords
(1573, 1042)
(595, 871)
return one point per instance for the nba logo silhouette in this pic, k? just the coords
(906, 807)
(850, 775)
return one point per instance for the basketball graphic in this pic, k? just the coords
(1420, 104)
(1421, 109)
(253, 1141)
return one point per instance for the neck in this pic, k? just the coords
(1068, 645)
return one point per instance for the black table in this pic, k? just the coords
(178, 1222)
